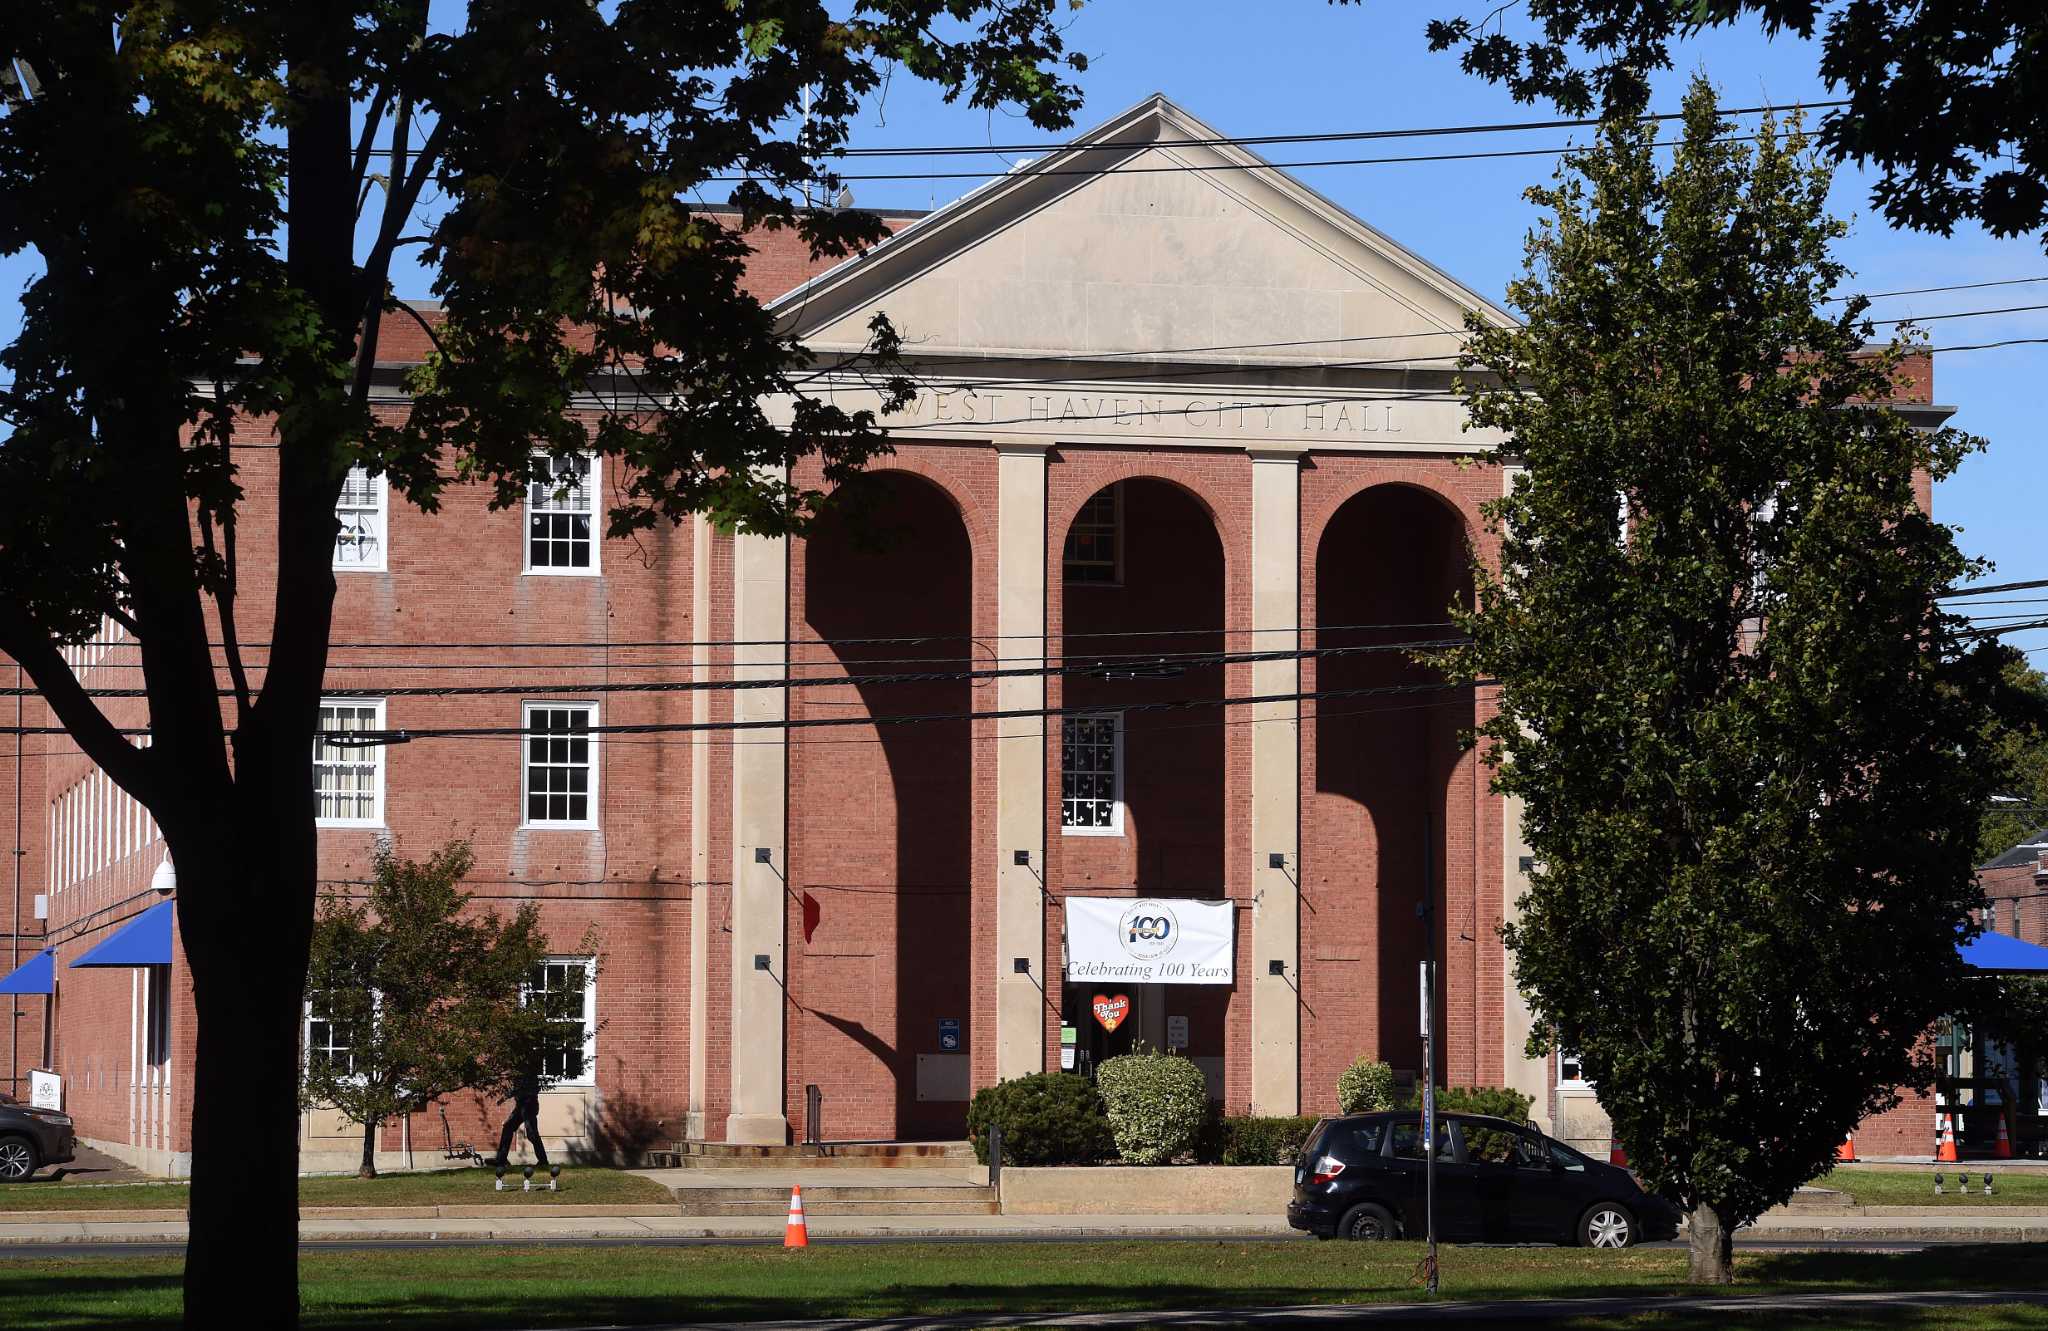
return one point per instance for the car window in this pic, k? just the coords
(1407, 1142)
(1365, 1139)
(1566, 1156)
(1489, 1144)
(1312, 1145)
(1529, 1152)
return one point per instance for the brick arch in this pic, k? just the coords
(949, 483)
(1233, 535)
(1321, 508)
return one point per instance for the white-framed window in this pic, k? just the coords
(561, 516)
(348, 778)
(1991, 917)
(1095, 546)
(559, 785)
(1571, 1074)
(566, 990)
(364, 512)
(327, 1039)
(1092, 774)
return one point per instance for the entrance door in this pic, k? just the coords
(1145, 1009)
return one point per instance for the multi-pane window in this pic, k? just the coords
(1093, 541)
(1091, 774)
(561, 774)
(1571, 1073)
(348, 775)
(561, 508)
(362, 511)
(566, 993)
(327, 1039)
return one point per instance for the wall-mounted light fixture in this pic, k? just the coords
(760, 961)
(1276, 859)
(1021, 965)
(763, 855)
(1020, 857)
(1276, 968)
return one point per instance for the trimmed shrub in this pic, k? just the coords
(1157, 1103)
(1365, 1087)
(1248, 1140)
(1499, 1101)
(1048, 1118)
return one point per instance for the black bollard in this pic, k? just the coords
(1937, 1184)
(501, 1181)
(529, 1180)
(555, 1178)
(1987, 1185)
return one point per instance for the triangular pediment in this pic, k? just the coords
(1134, 242)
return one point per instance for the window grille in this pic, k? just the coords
(348, 779)
(1091, 774)
(361, 511)
(327, 1040)
(560, 509)
(568, 1000)
(1094, 541)
(561, 780)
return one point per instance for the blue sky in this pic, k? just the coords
(1299, 65)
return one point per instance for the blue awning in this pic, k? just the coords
(37, 975)
(2002, 954)
(143, 941)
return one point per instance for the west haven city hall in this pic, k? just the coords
(1106, 701)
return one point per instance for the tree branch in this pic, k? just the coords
(372, 119)
(34, 651)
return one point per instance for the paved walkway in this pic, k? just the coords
(1447, 1313)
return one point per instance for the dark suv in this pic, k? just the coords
(1361, 1177)
(31, 1138)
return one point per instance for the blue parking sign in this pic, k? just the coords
(949, 1034)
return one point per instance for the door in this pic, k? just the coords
(1456, 1208)
(1093, 1041)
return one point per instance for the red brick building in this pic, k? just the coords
(1186, 481)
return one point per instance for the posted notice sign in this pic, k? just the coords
(1150, 940)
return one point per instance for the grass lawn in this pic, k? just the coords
(476, 1288)
(1870, 1186)
(440, 1187)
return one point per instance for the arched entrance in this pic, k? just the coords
(1142, 793)
(1378, 823)
(880, 920)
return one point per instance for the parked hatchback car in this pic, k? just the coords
(1362, 1177)
(31, 1138)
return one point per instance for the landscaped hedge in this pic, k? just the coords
(1499, 1101)
(1251, 1140)
(1048, 1118)
(1157, 1103)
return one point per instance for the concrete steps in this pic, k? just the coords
(823, 1199)
(844, 1155)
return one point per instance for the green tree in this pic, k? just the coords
(1948, 101)
(413, 997)
(1748, 742)
(2020, 740)
(215, 190)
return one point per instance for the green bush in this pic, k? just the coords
(1499, 1101)
(1249, 1140)
(1157, 1103)
(1048, 1118)
(1365, 1087)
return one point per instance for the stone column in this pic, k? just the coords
(1020, 762)
(1276, 785)
(695, 1126)
(760, 788)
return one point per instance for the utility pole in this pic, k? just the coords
(1427, 910)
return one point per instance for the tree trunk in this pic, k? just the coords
(1713, 1246)
(246, 878)
(368, 1169)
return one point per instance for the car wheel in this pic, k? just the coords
(1368, 1223)
(1608, 1225)
(17, 1159)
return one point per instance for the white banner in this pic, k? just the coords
(1150, 940)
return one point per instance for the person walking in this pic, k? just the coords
(524, 1096)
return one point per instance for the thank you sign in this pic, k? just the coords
(1150, 940)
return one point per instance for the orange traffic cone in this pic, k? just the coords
(1846, 1152)
(1616, 1155)
(796, 1234)
(2002, 1148)
(1945, 1144)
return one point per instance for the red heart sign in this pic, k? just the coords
(1111, 1011)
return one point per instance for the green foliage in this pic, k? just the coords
(2019, 738)
(1157, 1103)
(1365, 1086)
(1749, 744)
(425, 995)
(1246, 1139)
(1048, 1118)
(1955, 131)
(1500, 1101)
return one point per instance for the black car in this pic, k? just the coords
(1361, 1177)
(31, 1138)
